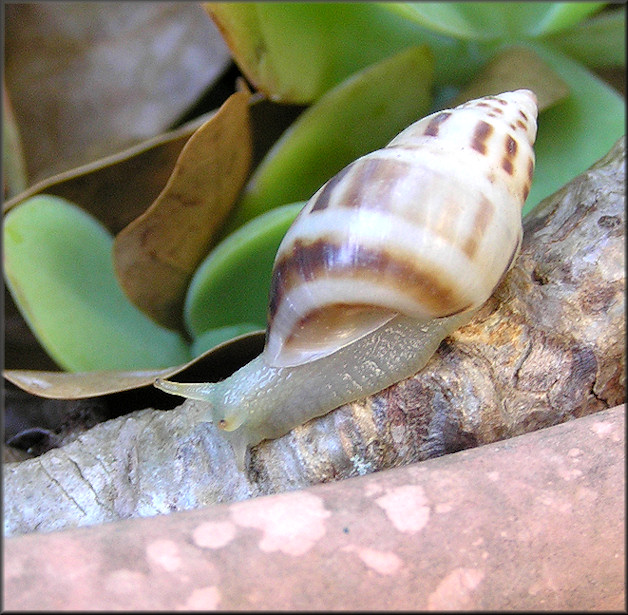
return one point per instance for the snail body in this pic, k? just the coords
(390, 256)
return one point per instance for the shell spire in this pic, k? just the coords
(426, 227)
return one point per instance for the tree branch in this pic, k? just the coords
(547, 347)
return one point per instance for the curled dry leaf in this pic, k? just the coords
(514, 68)
(88, 79)
(156, 255)
(220, 361)
(101, 187)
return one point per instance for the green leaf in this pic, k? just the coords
(296, 51)
(485, 21)
(448, 18)
(576, 132)
(561, 16)
(358, 116)
(58, 267)
(231, 286)
(14, 167)
(598, 42)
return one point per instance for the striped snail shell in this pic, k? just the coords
(426, 227)
(385, 260)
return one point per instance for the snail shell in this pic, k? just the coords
(390, 256)
(425, 227)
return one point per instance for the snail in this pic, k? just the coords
(385, 260)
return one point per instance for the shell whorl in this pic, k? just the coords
(426, 226)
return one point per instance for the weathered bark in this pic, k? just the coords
(536, 522)
(548, 347)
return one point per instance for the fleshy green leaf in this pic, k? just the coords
(485, 21)
(14, 170)
(560, 15)
(58, 267)
(231, 286)
(296, 51)
(575, 133)
(356, 117)
(598, 42)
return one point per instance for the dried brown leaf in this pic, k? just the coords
(117, 189)
(90, 78)
(514, 68)
(216, 363)
(156, 255)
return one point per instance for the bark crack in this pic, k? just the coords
(598, 397)
(527, 351)
(88, 483)
(63, 490)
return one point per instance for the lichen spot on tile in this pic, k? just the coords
(164, 553)
(124, 582)
(214, 534)
(602, 429)
(382, 562)
(406, 507)
(291, 523)
(443, 508)
(455, 591)
(202, 599)
(568, 474)
(372, 488)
